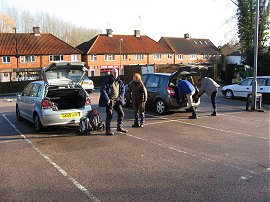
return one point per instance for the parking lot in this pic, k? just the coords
(173, 158)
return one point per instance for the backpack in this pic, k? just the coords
(91, 123)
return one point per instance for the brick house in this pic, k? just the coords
(190, 50)
(34, 51)
(107, 51)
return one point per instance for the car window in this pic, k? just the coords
(144, 78)
(26, 91)
(34, 92)
(267, 82)
(260, 82)
(152, 81)
(246, 82)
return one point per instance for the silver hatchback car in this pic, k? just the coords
(57, 99)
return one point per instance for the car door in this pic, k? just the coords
(33, 99)
(151, 85)
(243, 88)
(22, 100)
(261, 85)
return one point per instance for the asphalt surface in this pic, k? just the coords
(223, 158)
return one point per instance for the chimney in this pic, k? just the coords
(186, 36)
(109, 32)
(137, 33)
(36, 31)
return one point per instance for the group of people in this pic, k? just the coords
(112, 95)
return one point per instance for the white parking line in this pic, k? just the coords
(59, 169)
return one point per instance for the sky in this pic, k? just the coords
(206, 19)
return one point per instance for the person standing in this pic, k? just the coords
(112, 97)
(138, 94)
(210, 87)
(185, 88)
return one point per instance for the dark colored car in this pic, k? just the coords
(162, 92)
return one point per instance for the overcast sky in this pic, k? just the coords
(155, 18)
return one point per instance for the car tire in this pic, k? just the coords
(37, 123)
(229, 94)
(18, 113)
(161, 107)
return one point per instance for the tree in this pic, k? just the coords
(246, 14)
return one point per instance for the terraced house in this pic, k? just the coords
(107, 51)
(24, 54)
(191, 50)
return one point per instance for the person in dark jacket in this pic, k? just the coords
(185, 88)
(138, 94)
(112, 97)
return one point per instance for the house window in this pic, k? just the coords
(206, 57)
(125, 57)
(56, 58)
(93, 57)
(180, 57)
(27, 58)
(6, 59)
(109, 57)
(169, 56)
(139, 57)
(193, 57)
(74, 57)
(157, 56)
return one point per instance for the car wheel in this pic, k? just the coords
(161, 107)
(37, 123)
(18, 113)
(228, 94)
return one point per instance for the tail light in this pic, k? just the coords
(87, 101)
(46, 104)
(170, 90)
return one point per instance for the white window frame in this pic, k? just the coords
(180, 56)
(93, 58)
(53, 58)
(193, 56)
(6, 59)
(109, 57)
(27, 58)
(139, 56)
(74, 57)
(125, 57)
(169, 56)
(157, 56)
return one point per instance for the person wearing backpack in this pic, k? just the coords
(112, 97)
(138, 95)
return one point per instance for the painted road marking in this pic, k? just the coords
(59, 169)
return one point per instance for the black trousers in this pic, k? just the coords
(109, 115)
(213, 100)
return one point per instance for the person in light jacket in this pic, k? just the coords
(138, 94)
(210, 87)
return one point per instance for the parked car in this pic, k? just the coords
(162, 92)
(86, 83)
(55, 100)
(244, 88)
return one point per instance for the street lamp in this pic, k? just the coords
(120, 41)
(16, 50)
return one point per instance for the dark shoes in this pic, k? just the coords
(109, 132)
(120, 129)
(214, 114)
(193, 117)
(141, 126)
(135, 125)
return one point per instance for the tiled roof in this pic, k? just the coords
(188, 46)
(130, 44)
(29, 44)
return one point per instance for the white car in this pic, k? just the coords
(244, 88)
(86, 83)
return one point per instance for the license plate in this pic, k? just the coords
(84, 83)
(69, 115)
